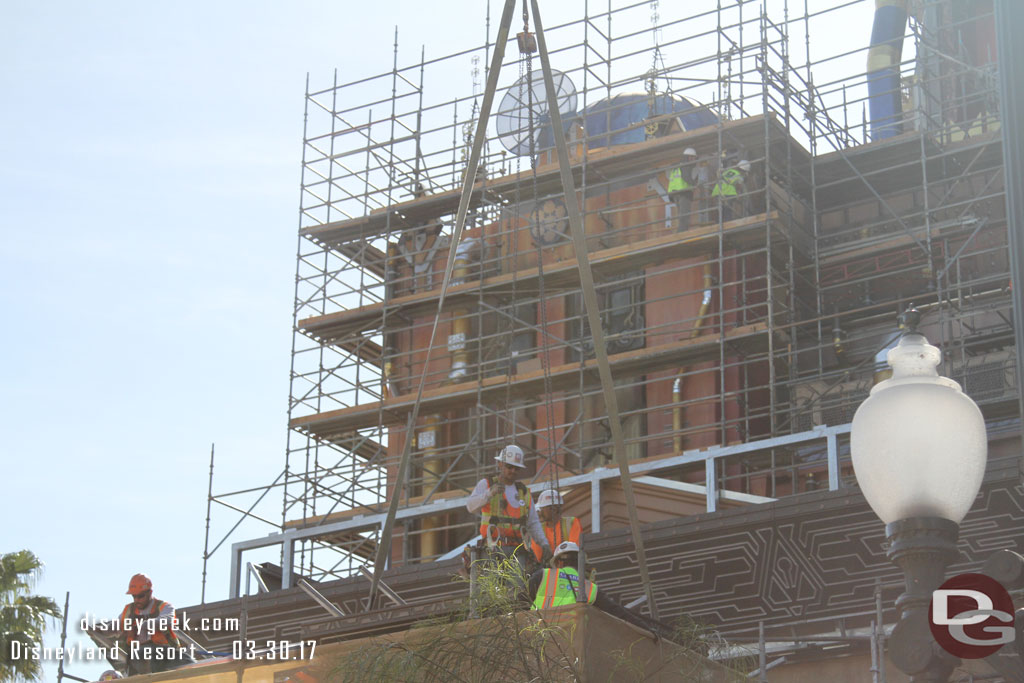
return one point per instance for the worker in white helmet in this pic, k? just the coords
(561, 585)
(680, 186)
(730, 188)
(506, 507)
(556, 527)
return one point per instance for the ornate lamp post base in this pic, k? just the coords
(922, 547)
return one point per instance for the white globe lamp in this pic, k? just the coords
(919, 447)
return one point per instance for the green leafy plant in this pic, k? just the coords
(495, 637)
(22, 616)
(491, 639)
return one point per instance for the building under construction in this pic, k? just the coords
(741, 331)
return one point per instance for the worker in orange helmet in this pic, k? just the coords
(556, 527)
(149, 626)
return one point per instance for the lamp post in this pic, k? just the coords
(919, 447)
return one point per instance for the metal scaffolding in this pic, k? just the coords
(742, 332)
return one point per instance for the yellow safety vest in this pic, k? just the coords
(727, 185)
(554, 591)
(676, 183)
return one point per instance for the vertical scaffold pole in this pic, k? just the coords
(1010, 52)
(63, 636)
(206, 541)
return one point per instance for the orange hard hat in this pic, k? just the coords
(138, 584)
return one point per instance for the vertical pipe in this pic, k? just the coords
(433, 470)
(711, 483)
(287, 555)
(243, 619)
(474, 573)
(883, 68)
(235, 577)
(881, 629)
(677, 384)
(458, 340)
(874, 653)
(762, 654)
(206, 540)
(677, 413)
(769, 265)
(1010, 52)
(63, 636)
(833, 461)
(296, 335)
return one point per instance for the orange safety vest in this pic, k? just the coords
(502, 523)
(165, 637)
(568, 529)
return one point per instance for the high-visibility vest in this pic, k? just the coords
(501, 523)
(726, 187)
(158, 637)
(559, 586)
(676, 183)
(568, 529)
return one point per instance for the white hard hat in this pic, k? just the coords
(110, 675)
(511, 455)
(565, 547)
(689, 152)
(744, 165)
(549, 497)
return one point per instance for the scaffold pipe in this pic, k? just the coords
(458, 340)
(677, 385)
(433, 470)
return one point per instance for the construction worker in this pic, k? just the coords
(680, 186)
(729, 189)
(561, 585)
(507, 509)
(702, 188)
(556, 527)
(149, 627)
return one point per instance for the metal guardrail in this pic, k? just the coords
(647, 472)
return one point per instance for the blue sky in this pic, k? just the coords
(150, 163)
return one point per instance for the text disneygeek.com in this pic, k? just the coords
(91, 623)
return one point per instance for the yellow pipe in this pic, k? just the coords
(839, 342)
(458, 340)
(433, 468)
(677, 385)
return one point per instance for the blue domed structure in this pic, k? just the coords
(623, 115)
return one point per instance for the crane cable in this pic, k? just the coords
(384, 545)
(542, 329)
(593, 314)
